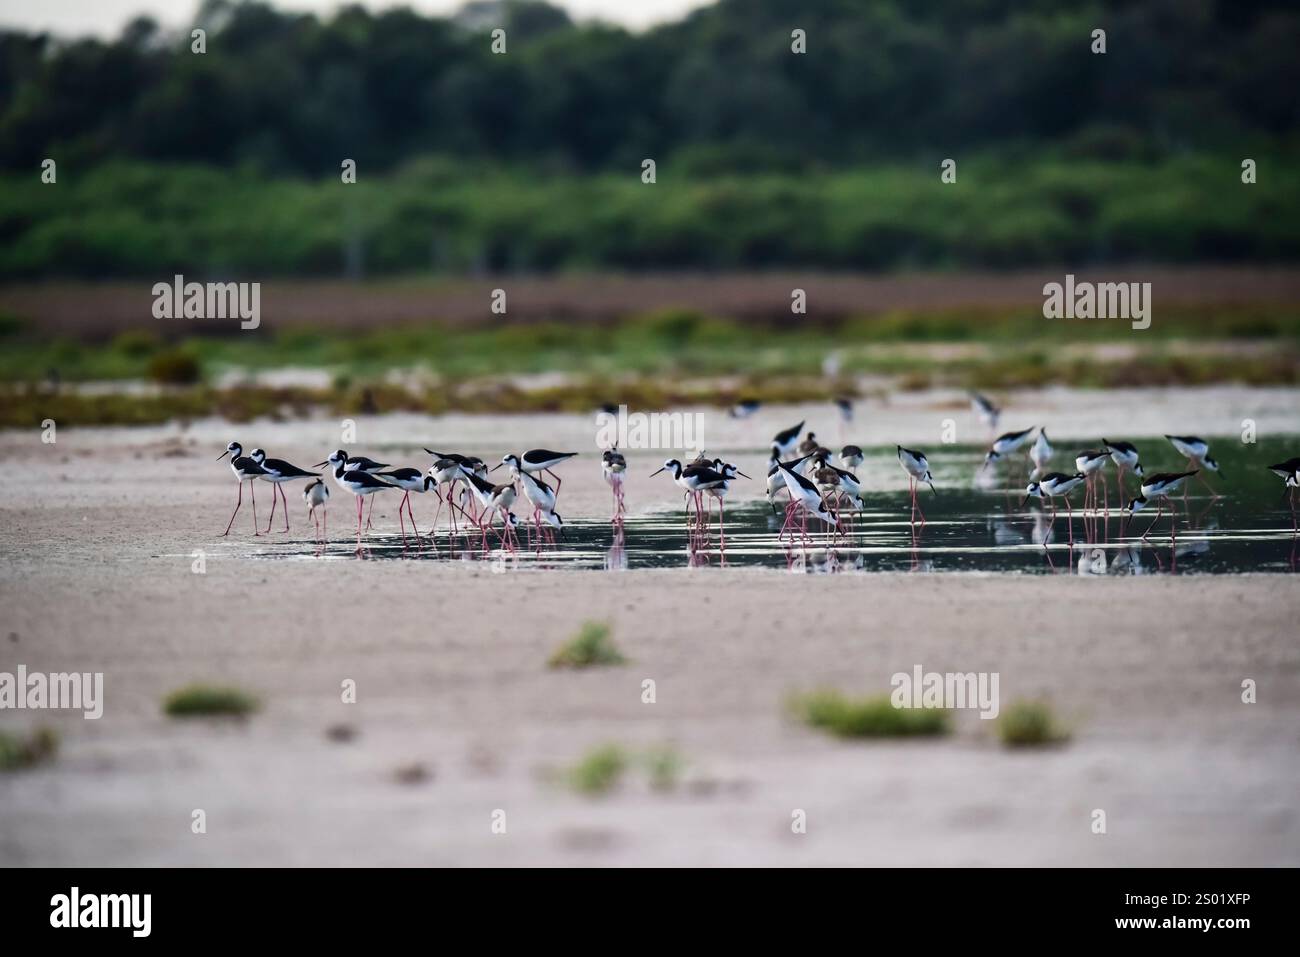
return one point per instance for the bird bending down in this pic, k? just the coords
(1053, 486)
(1159, 486)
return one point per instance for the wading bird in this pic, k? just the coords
(353, 463)
(360, 483)
(1090, 463)
(537, 460)
(246, 470)
(786, 441)
(1053, 486)
(409, 480)
(1125, 457)
(613, 466)
(1197, 453)
(1289, 473)
(1007, 443)
(986, 410)
(1159, 487)
(916, 466)
(1040, 453)
(278, 471)
(316, 495)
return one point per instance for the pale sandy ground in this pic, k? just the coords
(449, 664)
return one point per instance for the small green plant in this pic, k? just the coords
(593, 645)
(206, 700)
(1030, 724)
(873, 717)
(17, 753)
(664, 766)
(599, 771)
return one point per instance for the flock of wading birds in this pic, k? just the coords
(816, 488)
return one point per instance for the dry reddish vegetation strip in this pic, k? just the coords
(96, 311)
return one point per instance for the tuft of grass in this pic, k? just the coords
(18, 754)
(872, 717)
(593, 645)
(664, 766)
(208, 700)
(600, 770)
(1028, 724)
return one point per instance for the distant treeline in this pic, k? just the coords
(882, 81)
(1007, 209)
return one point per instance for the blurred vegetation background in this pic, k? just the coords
(472, 163)
(774, 170)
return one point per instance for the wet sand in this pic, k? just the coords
(449, 664)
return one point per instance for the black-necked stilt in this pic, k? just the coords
(409, 480)
(1053, 486)
(352, 463)
(1289, 473)
(357, 481)
(1197, 453)
(540, 495)
(1040, 453)
(808, 498)
(693, 480)
(1007, 443)
(1125, 457)
(493, 499)
(810, 445)
(917, 467)
(355, 463)
(316, 495)
(448, 469)
(745, 408)
(613, 466)
(1159, 486)
(246, 470)
(719, 491)
(278, 471)
(851, 456)
(537, 460)
(1090, 462)
(786, 441)
(986, 410)
(841, 485)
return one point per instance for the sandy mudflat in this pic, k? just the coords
(449, 665)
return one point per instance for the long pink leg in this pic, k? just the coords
(252, 493)
(1160, 507)
(236, 511)
(280, 486)
(401, 521)
(370, 511)
(273, 504)
(415, 530)
(557, 481)
(436, 512)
